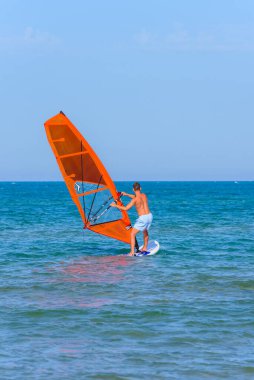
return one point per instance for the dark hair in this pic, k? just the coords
(136, 186)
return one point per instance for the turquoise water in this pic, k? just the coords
(72, 306)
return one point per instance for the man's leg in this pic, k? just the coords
(146, 238)
(134, 232)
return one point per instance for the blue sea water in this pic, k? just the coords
(72, 306)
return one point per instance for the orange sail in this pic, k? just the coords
(89, 184)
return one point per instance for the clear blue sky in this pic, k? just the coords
(162, 90)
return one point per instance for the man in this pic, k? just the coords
(144, 221)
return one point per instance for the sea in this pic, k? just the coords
(74, 306)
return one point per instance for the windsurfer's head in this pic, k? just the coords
(136, 186)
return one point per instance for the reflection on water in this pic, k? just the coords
(89, 279)
(101, 270)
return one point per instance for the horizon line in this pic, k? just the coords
(153, 180)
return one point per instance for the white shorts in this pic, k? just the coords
(143, 222)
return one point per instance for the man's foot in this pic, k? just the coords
(131, 254)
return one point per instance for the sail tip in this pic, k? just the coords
(61, 112)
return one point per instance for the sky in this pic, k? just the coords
(161, 89)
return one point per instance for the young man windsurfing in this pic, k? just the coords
(144, 221)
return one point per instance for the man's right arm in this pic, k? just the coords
(124, 208)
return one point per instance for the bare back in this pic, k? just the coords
(141, 204)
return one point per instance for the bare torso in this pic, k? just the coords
(141, 204)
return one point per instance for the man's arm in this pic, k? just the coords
(124, 208)
(132, 196)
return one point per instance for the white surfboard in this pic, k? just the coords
(152, 248)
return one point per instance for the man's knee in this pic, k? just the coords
(134, 232)
(145, 232)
